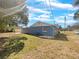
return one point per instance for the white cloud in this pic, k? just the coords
(33, 16)
(47, 0)
(62, 6)
(46, 16)
(68, 22)
(71, 15)
(69, 19)
(36, 10)
(57, 4)
(43, 17)
(58, 20)
(39, 19)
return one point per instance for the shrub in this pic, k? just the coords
(14, 44)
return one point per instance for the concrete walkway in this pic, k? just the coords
(10, 33)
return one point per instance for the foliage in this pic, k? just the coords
(12, 45)
(76, 2)
(76, 15)
(23, 19)
(39, 48)
(6, 24)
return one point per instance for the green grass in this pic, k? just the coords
(39, 48)
(30, 44)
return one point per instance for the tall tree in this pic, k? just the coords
(76, 2)
(76, 15)
(7, 24)
(11, 11)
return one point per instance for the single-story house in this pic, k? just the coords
(42, 29)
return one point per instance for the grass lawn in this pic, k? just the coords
(64, 47)
(31, 43)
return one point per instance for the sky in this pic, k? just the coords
(51, 11)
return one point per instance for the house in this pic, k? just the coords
(74, 27)
(42, 29)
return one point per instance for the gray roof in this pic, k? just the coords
(41, 24)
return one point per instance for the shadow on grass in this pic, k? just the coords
(3, 40)
(59, 36)
(62, 37)
(12, 45)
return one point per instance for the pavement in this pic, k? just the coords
(8, 34)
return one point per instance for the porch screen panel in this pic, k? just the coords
(10, 3)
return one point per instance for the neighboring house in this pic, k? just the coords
(42, 29)
(74, 27)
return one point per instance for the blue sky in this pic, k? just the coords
(50, 12)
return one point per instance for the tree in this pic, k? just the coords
(76, 15)
(76, 2)
(7, 24)
(11, 11)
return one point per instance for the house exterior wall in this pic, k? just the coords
(41, 30)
